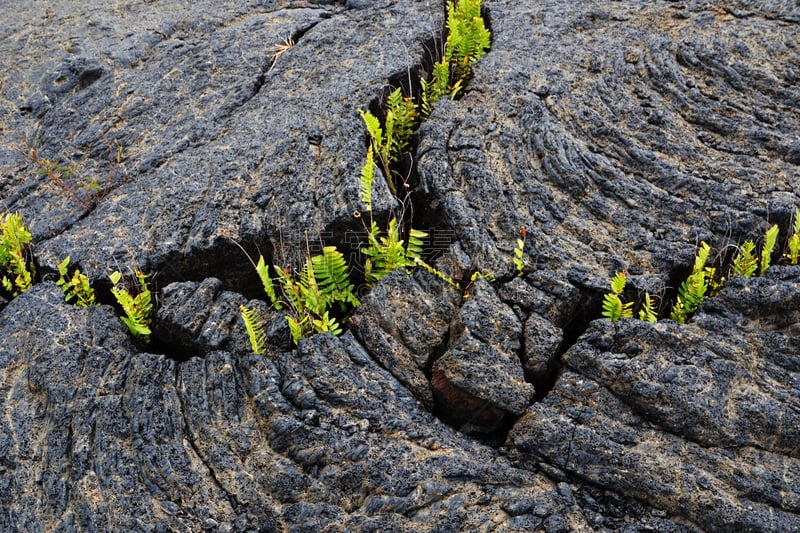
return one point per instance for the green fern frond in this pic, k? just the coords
(648, 311)
(519, 252)
(745, 263)
(793, 244)
(255, 330)
(76, 289)
(468, 38)
(333, 278)
(618, 282)
(367, 177)
(14, 237)
(139, 309)
(402, 115)
(695, 287)
(436, 87)
(326, 323)
(373, 128)
(296, 329)
(436, 272)
(415, 244)
(266, 281)
(770, 238)
(613, 307)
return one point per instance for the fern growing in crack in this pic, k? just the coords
(745, 263)
(648, 313)
(793, 244)
(770, 239)
(467, 41)
(16, 273)
(391, 142)
(309, 297)
(695, 287)
(519, 252)
(138, 309)
(255, 330)
(76, 288)
(613, 307)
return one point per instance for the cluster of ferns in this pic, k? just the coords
(321, 295)
(703, 281)
(17, 273)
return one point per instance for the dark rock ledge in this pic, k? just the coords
(619, 134)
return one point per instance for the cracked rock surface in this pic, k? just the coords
(618, 134)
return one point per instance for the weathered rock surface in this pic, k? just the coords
(702, 421)
(619, 134)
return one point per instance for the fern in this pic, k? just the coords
(467, 41)
(770, 238)
(385, 253)
(519, 252)
(436, 87)
(255, 330)
(745, 263)
(794, 241)
(16, 274)
(76, 289)
(367, 177)
(613, 307)
(402, 114)
(436, 272)
(269, 288)
(139, 309)
(330, 269)
(391, 142)
(323, 282)
(648, 311)
(694, 288)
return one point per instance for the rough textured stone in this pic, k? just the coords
(700, 420)
(403, 322)
(479, 379)
(542, 343)
(619, 134)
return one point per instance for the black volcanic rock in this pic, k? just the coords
(618, 134)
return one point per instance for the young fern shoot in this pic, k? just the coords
(648, 313)
(613, 307)
(745, 263)
(793, 245)
(16, 274)
(76, 288)
(138, 309)
(519, 252)
(770, 238)
(694, 288)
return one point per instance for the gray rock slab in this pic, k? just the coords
(698, 420)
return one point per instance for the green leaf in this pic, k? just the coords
(618, 282)
(614, 309)
(648, 312)
(367, 177)
(745, 263)
(139, 309)
(76, 289)
(255, 330)
(14, 238)
(770, 238)
(266, 281)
